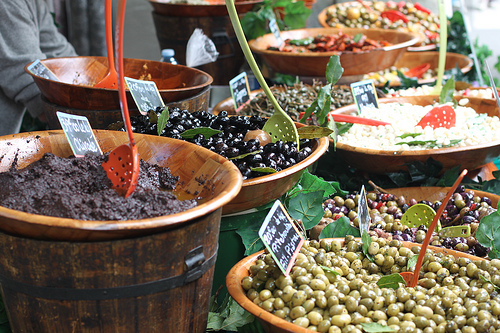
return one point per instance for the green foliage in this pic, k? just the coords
(288, 14)
(412, 262)
(339, 228)
(488, 234)
(376, 327)
(367, 240)
(229, 316)
(447, 91)
(207, 132)
(313, 132)
(162, 120)
(391, 281)
(307, 207)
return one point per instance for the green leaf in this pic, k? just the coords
(329, 269)
(488, 233)
(447, 91)
(334, 69)
(254, 25)
(412, 262)
(248, 226)
(301, 42)
(367, 240)
(296, 15)
(162, 120)
(357, 38)
(407, 82)
(339, 228)
(407, 135)
(307, 207)
(264, 170)
(391, 281)
(342, 128)
(376, 327)
(239, 157)
(229, 318)
(429, 143)
(482, 277)
(207, 132)
(311, 183)
(309, 111)
(313, 132)
(333, 126)
(152, 117)
(324, 103)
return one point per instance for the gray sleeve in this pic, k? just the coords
(27, 33)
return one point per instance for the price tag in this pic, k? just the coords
(273, 26)
(41, 70)
(363, 215)
(240, 90)
(145, 94)
(364, 95)
(79, 134)
(281, 237)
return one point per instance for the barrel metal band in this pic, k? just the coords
(194, 262)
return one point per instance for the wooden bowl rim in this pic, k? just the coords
(142, 224)
(413, 38)
(240, 270)
(195, 70)
(430, 152)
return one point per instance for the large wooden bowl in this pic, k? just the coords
(383, 161)
(269, 321)
(186, 160)
(314, 63)
(78, 75)
(433, 193)
(209, 8)
(259, 191)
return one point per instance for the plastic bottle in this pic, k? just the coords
(167, 55)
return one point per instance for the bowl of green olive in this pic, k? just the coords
(333, 288)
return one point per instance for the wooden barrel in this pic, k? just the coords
(101, 119)
(155, 283)
(173, 32)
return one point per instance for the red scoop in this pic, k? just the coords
(440, 116)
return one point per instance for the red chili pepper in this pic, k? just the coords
(473, 206)
(401, 5)
(336, 217)
(380, 204)
(393, 15)
(421, 8)
(431, 35)
(418, 71)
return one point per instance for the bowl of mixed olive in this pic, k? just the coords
(404, 16)
(465, 208)
(334, 287)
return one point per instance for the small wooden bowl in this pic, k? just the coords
(314, 63)
(210, 8)
(262, 190)
(77, 76)
(384, 161)
(269, 321)
(186, 160)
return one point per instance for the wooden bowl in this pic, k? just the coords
(314, 63)
(322, 19)
(77, 76)
(259, 191)
(186, 160)
(384, 161)
(210, 8)
(413, 59)
(433, 193)
(269, 321)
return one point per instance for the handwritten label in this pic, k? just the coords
(240, 90)
(79, 134)
(273, 26)
(363, 215)
(281, 237)
(365, 95)
(41, 70)
(145, 94)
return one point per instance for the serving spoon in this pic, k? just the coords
(110, 80)
(122, 166)
(279, 126)
(411, 278)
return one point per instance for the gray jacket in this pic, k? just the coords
(27, 33)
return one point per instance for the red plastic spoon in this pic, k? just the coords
(110, 80)
(122, 166)
(439, 116)
(410, 278)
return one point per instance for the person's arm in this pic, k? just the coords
(27, 33)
